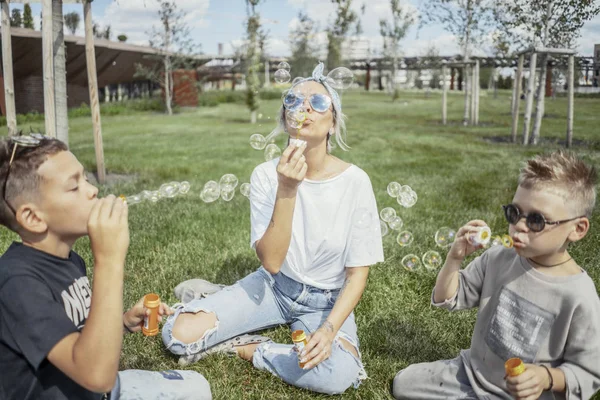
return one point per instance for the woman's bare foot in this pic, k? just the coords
(247, 351)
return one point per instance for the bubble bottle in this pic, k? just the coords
(514, 366)
(151, 302)
(299, 339)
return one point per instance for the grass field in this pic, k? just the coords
(459, 173)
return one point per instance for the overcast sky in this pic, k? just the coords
(222, 21)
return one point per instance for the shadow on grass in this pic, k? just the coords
(236, 267)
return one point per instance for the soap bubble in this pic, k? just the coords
(282, 76)
(404, 238)
(444, 237)
(169, 190)
(258, 141)
(362, 218)
(496, 241)
(340, 78)
(295, 118)
(387, 214)
(393, 188)
(284, 66)
(432, 260)
(411, 262)
(245, 189)
(407, 197)
(227, 193)
(154, 196)
(228, 182)
(272, 152)
(184, 187)
(384, 228)
(134, 199)
(396, 223)
(507, 241)
(210, 192)
(145, 194)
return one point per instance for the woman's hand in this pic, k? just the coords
(292, 167)
(319, 346)
(134, 318)
(530, 384)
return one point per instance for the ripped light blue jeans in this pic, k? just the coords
(261, 300)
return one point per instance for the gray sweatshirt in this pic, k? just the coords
(523, 313)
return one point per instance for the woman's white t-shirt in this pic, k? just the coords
(335, 224)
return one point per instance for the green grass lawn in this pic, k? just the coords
(459, 173)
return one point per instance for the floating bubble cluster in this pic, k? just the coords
(166, 190)
(444, 237)
(404, 194)
(211, 192)
(258, 141)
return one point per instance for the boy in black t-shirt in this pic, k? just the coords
(57, 341)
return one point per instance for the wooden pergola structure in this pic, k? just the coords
(50, 58)
(472, 89)
(533, 52)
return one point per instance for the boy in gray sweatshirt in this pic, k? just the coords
(534, 301)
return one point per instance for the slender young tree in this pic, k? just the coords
(303, 58)
(346, 21)
(468, 20)
(15, 18)
(253, 63)
(545, 23)
(27, 17)
(393, 31)
(174, 49)
(72, 21)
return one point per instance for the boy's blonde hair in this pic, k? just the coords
(566, 173)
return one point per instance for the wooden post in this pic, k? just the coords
(368, 77)
(466, 88)
(529, 104)
(60, 73)
(90, 54)
(267, 78)
(517, 99)
(477, 91)
(571, 91)
(444, 95)
(7, 66)
(48, 62)
(473, 85)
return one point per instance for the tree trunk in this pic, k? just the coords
(168, 94)
(60, 73)
(466, 87)
(539, 108)
(539, 105)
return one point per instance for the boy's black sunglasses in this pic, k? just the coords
(534, 221)
(32, 140)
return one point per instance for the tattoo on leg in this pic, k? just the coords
(272, 223)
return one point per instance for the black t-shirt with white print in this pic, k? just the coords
(43, 299)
